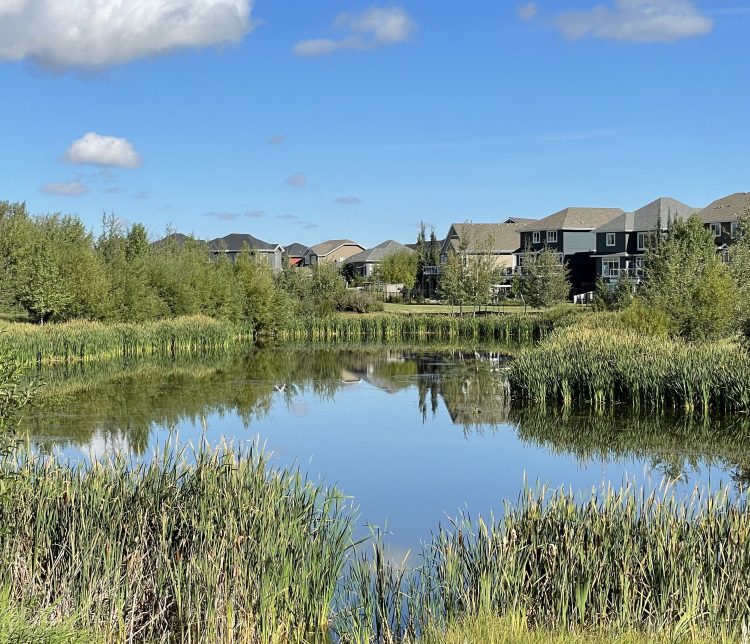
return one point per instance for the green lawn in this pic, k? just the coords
(444, 308)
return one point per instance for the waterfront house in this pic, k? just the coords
(363, 264)
(334, 251)
(621, 242)
(570, 233)
(295, 254)
(723, 217)
(232, 245)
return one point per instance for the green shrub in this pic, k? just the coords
(645, 319)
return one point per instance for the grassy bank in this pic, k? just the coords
(220, 550)
(600, 366)
(81, 341)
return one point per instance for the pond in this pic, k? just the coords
(413, 435)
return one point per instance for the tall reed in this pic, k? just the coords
(220, 549)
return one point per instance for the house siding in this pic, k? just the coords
(575, 241)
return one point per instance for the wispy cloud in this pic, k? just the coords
(528, 11)
(348, 201)
(255, 214)
(277, 139)
(636, 21)
(90, 34)
(224, 215)
(375, 27)
(143, 194)
(114, 190)
(96, 149)
(297, 180)
(286, 217)
(65, 189)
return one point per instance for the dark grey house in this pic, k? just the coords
(723, 216)
(621, 243)
(232, 245)
(570, 233)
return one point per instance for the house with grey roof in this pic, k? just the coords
(295, 254)
(621, 243)
(500, 240)
(723, 218)
(334, 251)
(570, 233)
(232, 245)
(363, 264)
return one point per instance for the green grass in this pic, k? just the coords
(446, 309)
(495, 630)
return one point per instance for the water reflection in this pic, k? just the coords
(411, 433)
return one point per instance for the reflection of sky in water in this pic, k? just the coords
(403, 471)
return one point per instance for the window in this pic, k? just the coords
(640, 262)
(611, 267)
(551, 236)
(641, 241)
(734, 227)
(715, 229)
(536, 236)
(610, 239)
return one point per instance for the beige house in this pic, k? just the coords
(501, 240)
(333, 251)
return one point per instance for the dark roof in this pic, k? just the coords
(378, 253)
(428, 244)
(575, 219)
(295, 250)
(518, 220)
(235, 242)
(729, 208)
(656, 215)
(177, 238)
(505, 237)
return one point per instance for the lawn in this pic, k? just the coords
(447, 309)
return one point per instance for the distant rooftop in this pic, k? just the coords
(728, 208)
(378, 253)
(656, 215)
(575, 219)
(327, 247)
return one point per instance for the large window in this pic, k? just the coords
(734, 227)
(611, 267)
(610, 239)
(641, 241)
(551, 236)
(715, 229)
(536, 237)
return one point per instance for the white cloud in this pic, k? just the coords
(66, 188)
(528, 11)
(95, 149)
(348, 201)
(277, 139)
(641, 21)
(298, 180)
(98, 33)
(368, 29)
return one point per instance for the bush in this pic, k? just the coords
(645, 319)
(358, 302)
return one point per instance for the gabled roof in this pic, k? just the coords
(729, 208)
(656, 215)
(295, 250)
(327, 247)
(575, 219)
(519, 220)
(177, 238)
(505, 237)
(235, 242)
(377, 254)
(427, 244)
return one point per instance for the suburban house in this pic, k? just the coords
(334, 251)
(232, 245)
(428, 285)
(295, 254)
(723, 216)
(363, 264)
(570, 233)
(621, 243)
(500, 240)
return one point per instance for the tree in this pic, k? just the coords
(544, 280)
(739, 269)
(686, 279)
(453, 280)
(399, 267)
(480, 272)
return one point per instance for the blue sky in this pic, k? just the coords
(302, 121)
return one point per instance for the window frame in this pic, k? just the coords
(609, 261)
(607, 237)
(640, 241)
(536, 237)
(551, 237)
(734, 227)
(714, 228)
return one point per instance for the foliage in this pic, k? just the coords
(739, 268)
(614, 297)
(398, 268)
(644, 319)
(452, 286)
(543, 280)
(686, 279)
(356, 301)
(222, 549)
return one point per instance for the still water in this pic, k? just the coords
(412, 435)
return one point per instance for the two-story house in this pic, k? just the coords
(723, 217)
(499, 240)
(363, 264)
(621, 243)
(570, 233)
(334, 251)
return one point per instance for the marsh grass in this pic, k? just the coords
(216, 550)
(604, 366)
